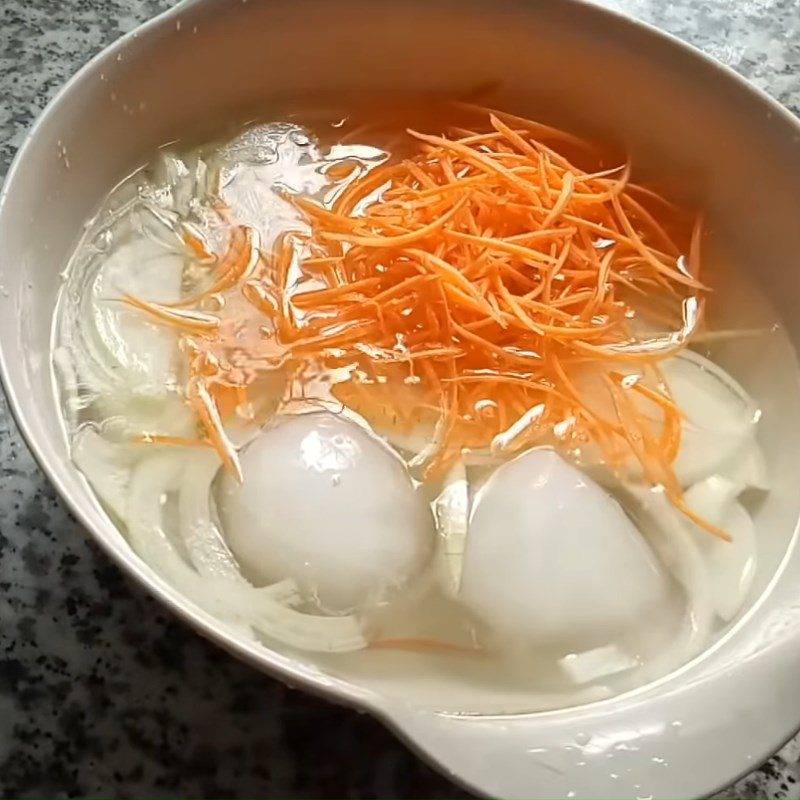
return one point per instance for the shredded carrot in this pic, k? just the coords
(679, 503)
(187, 321)
(489, 273)
(208, 414)
(236, 266)
(197, 246)
(537, 266)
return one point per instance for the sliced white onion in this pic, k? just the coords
(143, 350)
(676, 547)
(731, 565)
(135, 488)
(719, 423)
(712, 498)
(205, 546)
(306, 631)
(719, 416)
(151, 481)
(179, 181)
(451, 510)
(127, 416)
(121, 364)
(260, 607)
(749, 469)
(119, 354)
(107, 466)
(594, 665)
(71, 401)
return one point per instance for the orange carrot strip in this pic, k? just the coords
(206, 409)
(186, 320)
(401, 240)
(480, 160)
(526, 253)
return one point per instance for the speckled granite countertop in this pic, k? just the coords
(101, 692)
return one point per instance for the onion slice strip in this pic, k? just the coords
(221, 590)
(668, 533)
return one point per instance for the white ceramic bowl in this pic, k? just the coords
(683, 736)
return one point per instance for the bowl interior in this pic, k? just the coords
(682, 118)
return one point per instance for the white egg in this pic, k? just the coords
(552, 559)
(329, 505)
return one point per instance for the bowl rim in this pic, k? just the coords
(288, 670)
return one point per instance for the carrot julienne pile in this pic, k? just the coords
(485, 291)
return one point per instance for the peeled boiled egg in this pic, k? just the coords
(552, 559)
(329, 505)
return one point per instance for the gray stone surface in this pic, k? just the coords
(101, 692)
